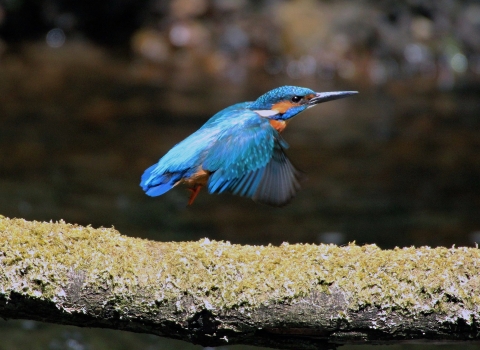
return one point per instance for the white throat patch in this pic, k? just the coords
(266, 112)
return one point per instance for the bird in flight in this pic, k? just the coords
(239, 150)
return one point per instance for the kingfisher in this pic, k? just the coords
(239, 150)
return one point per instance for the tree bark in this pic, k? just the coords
(216, 293)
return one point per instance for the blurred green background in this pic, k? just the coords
(92, 93)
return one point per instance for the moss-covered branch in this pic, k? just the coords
(216, 293)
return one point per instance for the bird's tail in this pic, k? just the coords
(157, 184)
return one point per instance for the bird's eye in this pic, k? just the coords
(296, 99)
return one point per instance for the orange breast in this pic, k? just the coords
(278, 125)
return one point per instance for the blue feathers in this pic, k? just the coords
(160, 189)
(275, 184)
(235, 154)
(157, 185)
(239, 150)
(280, 180)
(279, 94)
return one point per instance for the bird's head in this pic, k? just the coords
(286, 102)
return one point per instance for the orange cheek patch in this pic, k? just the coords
(309, 97)
(283, 106)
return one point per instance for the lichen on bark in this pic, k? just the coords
(211, 290)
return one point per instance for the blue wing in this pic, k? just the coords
(184, 159)
(249, 160)
(280, 180)
(157, 184)
(274, 184)
(242, 152)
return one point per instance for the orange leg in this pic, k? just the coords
(195, 191)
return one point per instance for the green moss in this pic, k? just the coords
(40, 259)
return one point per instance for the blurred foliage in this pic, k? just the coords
(364, 40)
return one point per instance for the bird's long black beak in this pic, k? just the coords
(330, 96)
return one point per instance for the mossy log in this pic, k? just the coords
(216, 293)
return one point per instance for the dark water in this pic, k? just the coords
(39, 336)
(391, 168)
(395, 166)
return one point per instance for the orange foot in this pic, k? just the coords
(195, 191)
